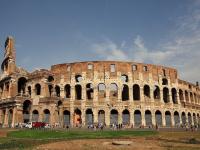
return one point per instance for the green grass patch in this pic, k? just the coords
(59, 134)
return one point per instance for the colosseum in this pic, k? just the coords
(83, 93)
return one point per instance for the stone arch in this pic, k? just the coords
(124, 78)
(174, 96)
(158, 117)
(176, 119)
(125, 117)
(113, 91)
(37, 89)
(22, 85)
(164, 81)
(66, 117)
(183, 118)
(181, 95)
(101, 91)
(35, 115)
(148, 118)
(101, 116)
(189, 118)
(57, 90)
(137, 118)
(136, 92)
(78, 91)
(166, 95)
(89, 91)
(168, 119)
(113, 116)
(125, 92)
(147, 91)
(10, 117)
(89, 120)
(46, 116)
(50, 87)
(186, 96)
(156, 92)
(50, 78)
(191, 97)
(67, 89)
(26, 110)
(198, 118)
(78, 78)
(77, 117)
(194, 118)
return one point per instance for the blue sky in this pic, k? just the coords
(50, 32)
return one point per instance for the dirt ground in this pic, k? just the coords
(101, 144)
(139, 143)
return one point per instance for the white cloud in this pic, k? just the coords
(181, 52)
(110, 50)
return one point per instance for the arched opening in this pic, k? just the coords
(195, 98)
(101, 91)
(194, 119)
(164, 81)
(147, 92)
(22, 85)
(186, 96)
(37, 89)
(124, 78)
(101, 116)
(67, 91)
(89, 117)
(3, 116)
(181, 95)
(156, 92)
(198, 118)
(113, 117)
(57, 90)
(50, 79)
(166, 95)
(137, 118)
(136, 92)
(78, 78)
(35, 116)
(148, 118)
(125, 117)
(77, 117)
(176, 119)
(46, 116)
(26, 110)
(78, 92)
(89, 91)
(189, 118)
(50, 87)
(125, 92)
(183, 118)
(113, 91)
(168, 118)
(191, 97)
(174, 96)
(10, 117)
(66, 118)
(158, 117)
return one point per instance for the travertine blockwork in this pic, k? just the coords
(83, 93)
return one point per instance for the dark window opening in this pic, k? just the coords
(78, 92)
(136, 92)
(125, 93)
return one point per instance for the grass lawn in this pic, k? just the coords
(59, 134)
(30, 139)
(27, 139)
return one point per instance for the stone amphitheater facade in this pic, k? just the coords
(82, 93)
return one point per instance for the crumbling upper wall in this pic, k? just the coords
(123, 67)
